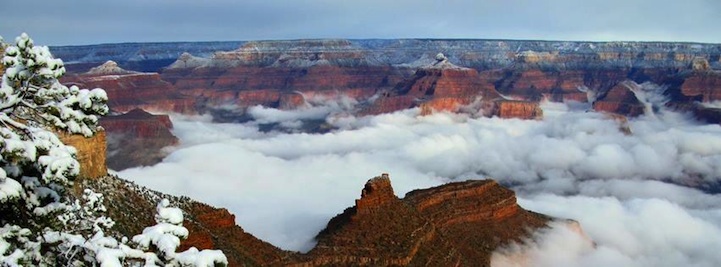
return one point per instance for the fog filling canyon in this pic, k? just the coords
(626, 190)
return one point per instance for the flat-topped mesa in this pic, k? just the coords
(460, 202)
(377, 192)
(188, 61)
(109, 68)
(294, 53)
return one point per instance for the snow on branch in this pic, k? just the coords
(41, 225)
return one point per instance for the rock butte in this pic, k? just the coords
(457, 224)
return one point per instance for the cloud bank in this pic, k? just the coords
(626, 190)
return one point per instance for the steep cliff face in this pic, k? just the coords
(137, 138)
(702, 86)
(91, 153)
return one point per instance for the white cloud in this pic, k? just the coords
(284, 187)
(635, 232)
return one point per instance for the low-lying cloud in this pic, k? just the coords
(635, 232)
(625, 190)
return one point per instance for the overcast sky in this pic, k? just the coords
(91, 21)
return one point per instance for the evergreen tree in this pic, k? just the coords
(40, 223)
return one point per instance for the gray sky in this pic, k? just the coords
(92, 21)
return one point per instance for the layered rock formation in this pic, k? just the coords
(137, 138)
(268, 73)
(384, 76)
(440, 86)
(455, 224)
(128, 90)
(702, 86)
(397, 73)
(620, 100)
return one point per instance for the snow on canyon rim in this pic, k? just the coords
(284, 187)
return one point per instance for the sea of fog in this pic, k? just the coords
(624, 189)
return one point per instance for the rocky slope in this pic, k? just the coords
(458, 224)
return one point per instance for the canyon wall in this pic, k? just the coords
(500, 78)
(91, 153)
(389, 75)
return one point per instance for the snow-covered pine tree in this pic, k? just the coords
(40, 224)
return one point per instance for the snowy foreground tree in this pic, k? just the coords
(41, 223)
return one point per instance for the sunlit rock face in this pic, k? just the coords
(91, 153)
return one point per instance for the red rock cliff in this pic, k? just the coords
(703, 86)
(137, 138)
